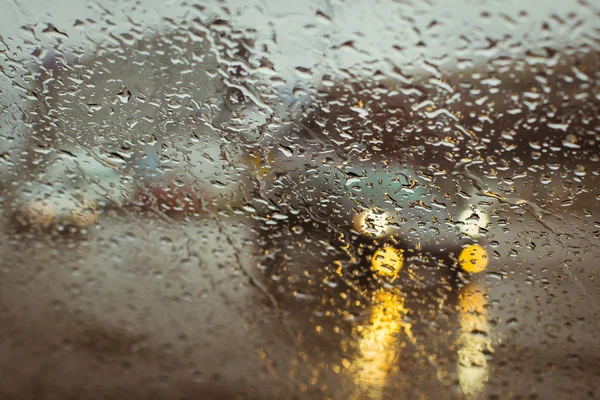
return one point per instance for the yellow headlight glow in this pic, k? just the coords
(473, 259)
(387, 261)
(41, 213)
(373, 223)
(85, 214)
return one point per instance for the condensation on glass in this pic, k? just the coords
(275, 200)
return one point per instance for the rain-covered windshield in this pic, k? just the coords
(310, 200)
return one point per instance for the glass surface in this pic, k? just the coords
(304, 200)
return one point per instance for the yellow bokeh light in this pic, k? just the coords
(41, 212)
(473, 259)
(85, 214)
(387, 261)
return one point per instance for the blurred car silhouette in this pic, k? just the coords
(380, 163)
(147, 127)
